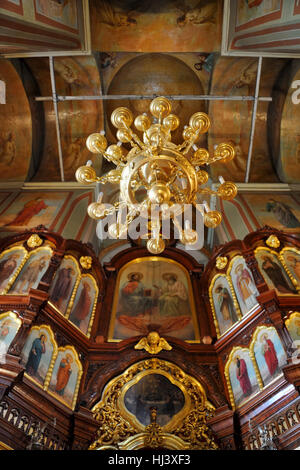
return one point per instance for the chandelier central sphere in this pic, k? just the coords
(155, 171)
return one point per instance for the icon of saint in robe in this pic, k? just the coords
(82, 307)
(30, 274)
(243, 376)
(62, 286)
(38, 348)
(226, 305)
(269, 353)
(63, 374)
(246, 288)
(7, 267)
(274, 272)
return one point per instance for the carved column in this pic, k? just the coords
(85, 427)
(222, 425)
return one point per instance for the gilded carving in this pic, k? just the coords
(34, 241)
(86, 262)
(153, 343)
(117, 424)
(273, 241)
(221, 262)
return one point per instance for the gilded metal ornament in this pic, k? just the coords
(221, 262)
(273, 241)
(155, 171)
(34, 241)
(86, 262)
(153, 343)
(153, 432)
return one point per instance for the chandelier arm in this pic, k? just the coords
(208, 191)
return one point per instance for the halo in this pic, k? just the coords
(239, 266)
(140, 275)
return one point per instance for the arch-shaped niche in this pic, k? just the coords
(9, 326)
(153, 290)
(249, 370)
(57, 370)
(128, 400)
(274, 271)
(74, 294)
(232, 294)
(224, 304)
(32, 270)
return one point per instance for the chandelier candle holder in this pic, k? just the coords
(156, 172)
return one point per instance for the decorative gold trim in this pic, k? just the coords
(153, 343)
(116, 295)
(138, 442)
(262, 248)
(80, 371)
(227, 375)
(117, 425)
(221, 262)
(4, 446)
(289, 273)
(53, 357)
(86, 262)
(291, 318)
(34, 241)
(273, 241)
(211, 300)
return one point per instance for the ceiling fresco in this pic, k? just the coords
(149, 48)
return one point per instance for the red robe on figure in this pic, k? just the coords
(243, 377)
(270, 356)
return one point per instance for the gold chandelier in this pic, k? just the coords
(157, 172)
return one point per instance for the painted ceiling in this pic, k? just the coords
(139, 48)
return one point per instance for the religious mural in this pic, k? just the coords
(66, 375)
(9, 326)
(243, 283)
(154, 390)
(224, 304)
(83, 309)
(248, 11)
(273, 272)
(32, 271)
(281, 212)
(62, 14)
(241, 376)
(30, 209)
(15, 126)
(151, 26)
(38, 352)
(63, 283)
(153, 291)
(268, 352)
(256, 26)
